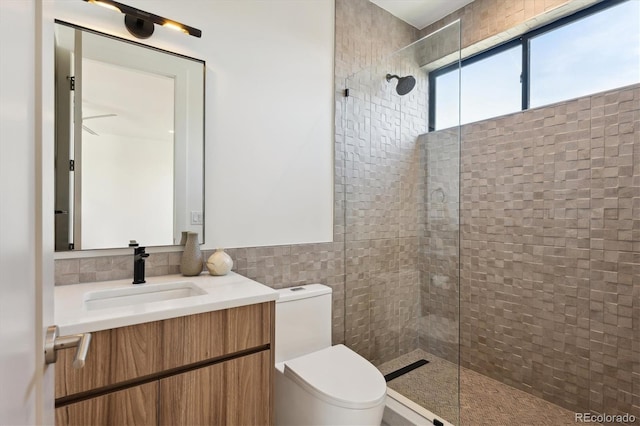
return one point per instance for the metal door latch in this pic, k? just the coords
(54, 343)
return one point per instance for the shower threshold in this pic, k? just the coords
(401, 411)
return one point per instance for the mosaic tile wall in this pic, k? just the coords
(550, 251)
(385, 182)
(615, 252)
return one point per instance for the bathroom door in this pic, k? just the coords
(26, 236)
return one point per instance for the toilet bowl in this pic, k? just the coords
(316, 383)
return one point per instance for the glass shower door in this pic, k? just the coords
(401, 226)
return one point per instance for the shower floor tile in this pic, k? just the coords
(483, 401)
(433, 386)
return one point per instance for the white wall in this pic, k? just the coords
(269, 110)
(26, 234)
(17, 216)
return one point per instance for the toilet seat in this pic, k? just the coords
(338, 376)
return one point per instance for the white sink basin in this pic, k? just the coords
(140, 293)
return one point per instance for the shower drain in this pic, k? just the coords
(404, 370)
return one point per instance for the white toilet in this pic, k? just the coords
(316, 383)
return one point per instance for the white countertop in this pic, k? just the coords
(228, 291)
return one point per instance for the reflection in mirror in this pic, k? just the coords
(129, 143)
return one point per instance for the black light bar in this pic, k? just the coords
(140, 23)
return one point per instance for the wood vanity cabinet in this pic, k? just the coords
(214, 368)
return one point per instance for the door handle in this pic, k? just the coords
(53, 343)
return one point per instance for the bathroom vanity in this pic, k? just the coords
(203, 358)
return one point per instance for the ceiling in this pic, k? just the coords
(125, 102)
(420, 13)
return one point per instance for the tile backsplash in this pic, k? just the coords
(276, 267)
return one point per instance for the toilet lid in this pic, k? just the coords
(338, 376)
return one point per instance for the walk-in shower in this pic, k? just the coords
(491, 268)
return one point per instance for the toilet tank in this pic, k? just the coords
(303, 321)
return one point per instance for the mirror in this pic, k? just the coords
(129, 155)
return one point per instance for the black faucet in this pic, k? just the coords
(138, 264)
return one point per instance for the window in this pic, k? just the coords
(591, 51)
(490, 86)
(593, 54)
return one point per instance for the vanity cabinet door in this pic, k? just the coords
(127, 353)
(132, 406)
(114, 356)
(234, 392)
(196, 338)
(213, 368)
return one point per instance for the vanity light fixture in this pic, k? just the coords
(140, 23)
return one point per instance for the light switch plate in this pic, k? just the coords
(196, 218)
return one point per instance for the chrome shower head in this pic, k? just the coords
(405, 84)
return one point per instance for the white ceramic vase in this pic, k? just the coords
(219, 263)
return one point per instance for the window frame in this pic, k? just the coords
(523, 41)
